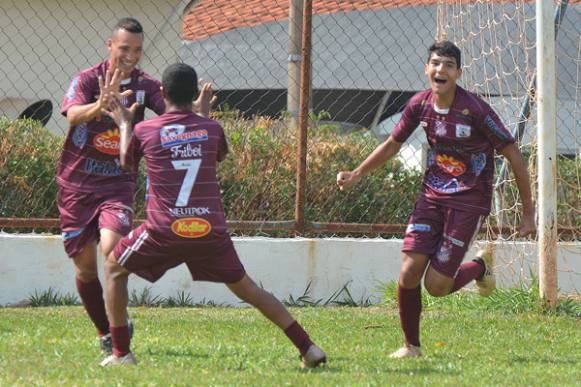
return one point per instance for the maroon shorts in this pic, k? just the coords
(83, 214)
(443, 234)
(148, 256)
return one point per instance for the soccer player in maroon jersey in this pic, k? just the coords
(185, 218)
(95, 195)
(463, 132)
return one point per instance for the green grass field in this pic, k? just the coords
(466, 341)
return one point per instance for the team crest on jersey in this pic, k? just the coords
(440, 128)
(140, 97)
(444, 253)
(191, 227)
(463, 131)
(108, 142)
(172, 135)
(451, 165)
(80, 135)
(423, 124)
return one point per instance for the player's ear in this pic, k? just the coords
(426, 69)
(162, 92)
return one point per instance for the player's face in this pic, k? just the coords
(125, 49)
(442, 73)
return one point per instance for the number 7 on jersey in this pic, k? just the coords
(192, 167)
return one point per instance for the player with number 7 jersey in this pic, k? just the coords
(185, 219)
(181, 150)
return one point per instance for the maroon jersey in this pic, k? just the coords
(181, 150)
(462, 141)
(90, 158)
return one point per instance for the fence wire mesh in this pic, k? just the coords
(367, 61)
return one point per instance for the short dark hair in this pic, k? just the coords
(129, 24)
(445, 48)
(180, 83)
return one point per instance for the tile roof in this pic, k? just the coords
(210, 17)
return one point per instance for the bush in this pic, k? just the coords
(258, 178)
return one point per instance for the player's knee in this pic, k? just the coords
(436, 290)
(86, 275)
(113, 270)
(409, 278)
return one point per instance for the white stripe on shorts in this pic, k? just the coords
(478, 225)
(133, 248)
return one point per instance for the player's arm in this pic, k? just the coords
(383, 153)
(512, 153)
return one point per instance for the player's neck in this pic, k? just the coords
(444, 101)
(177, 108)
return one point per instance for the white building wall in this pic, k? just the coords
(285, 267)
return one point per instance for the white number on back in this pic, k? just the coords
(191, 167)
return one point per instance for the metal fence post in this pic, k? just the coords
(547, 153)
(303, 117)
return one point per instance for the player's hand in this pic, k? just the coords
(109, 89)
(346, 180)
(527, 225)
(206, 100)
(120, 114)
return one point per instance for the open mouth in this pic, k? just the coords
(440, 81)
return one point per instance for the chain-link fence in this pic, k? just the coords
(367, 61)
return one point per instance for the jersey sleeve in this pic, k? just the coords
(494, 130)
(222, 146)
(408, 122)
(80, 92)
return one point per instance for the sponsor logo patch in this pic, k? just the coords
(451, 165)
(180, 212)
(191, 227)
(73, 88)
(172, 135)
(186, 151)
(502, 134)
(455, 241)
(71, 234)
(477, 163)
(463, 131)
(103, 168)
(80, 135)
(108, 142)
(140, 97)
(418, 227)
(445, 186)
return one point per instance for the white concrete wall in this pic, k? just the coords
(285, 267)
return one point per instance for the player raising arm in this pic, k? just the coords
(185, 218)
(463, 132)
(95, 196)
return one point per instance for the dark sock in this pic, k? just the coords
(299, 337)
(121, 340)
(410, 308)
(467, 272)
(92, 297)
